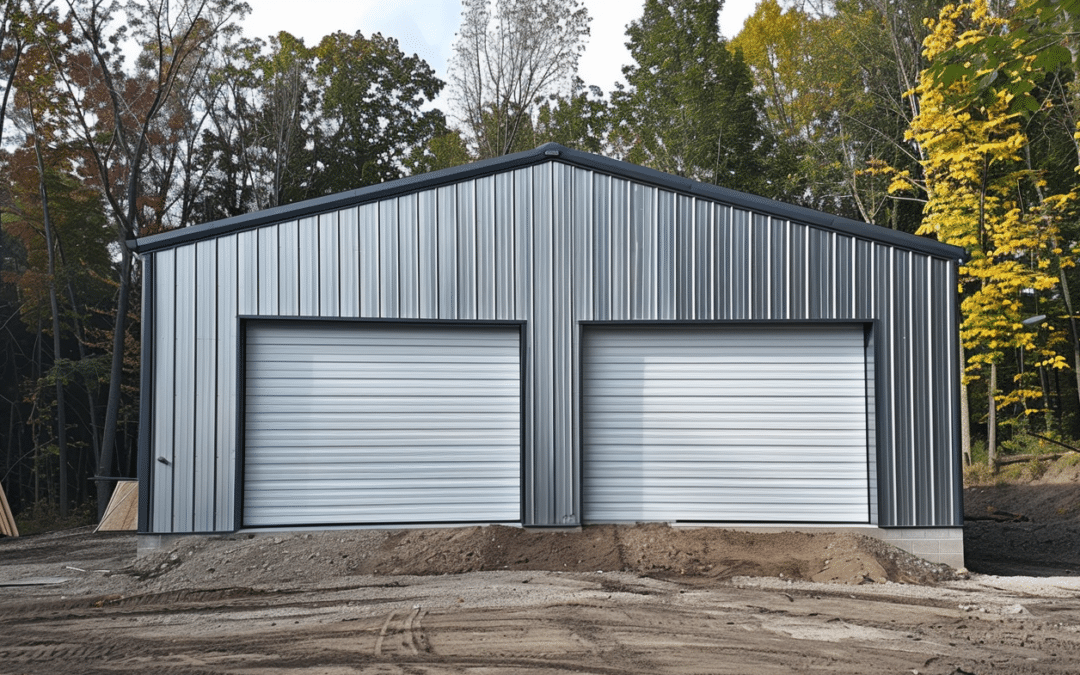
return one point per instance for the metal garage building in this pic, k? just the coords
(551, 338)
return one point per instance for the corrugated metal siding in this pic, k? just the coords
(557, 245)
(377, 423)
(725, 423)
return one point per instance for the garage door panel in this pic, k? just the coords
(381, 423)
(731, 423)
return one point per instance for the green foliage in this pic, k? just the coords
(689, 107)
(370, 120)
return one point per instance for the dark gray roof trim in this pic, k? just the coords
(547, 153)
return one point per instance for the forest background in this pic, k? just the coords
(122, 118)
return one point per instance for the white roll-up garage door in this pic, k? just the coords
(725, 423)
(349, 423)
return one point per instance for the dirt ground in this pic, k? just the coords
(627, 599)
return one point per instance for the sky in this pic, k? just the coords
(427, 28)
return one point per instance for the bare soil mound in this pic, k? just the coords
(1029, 527)
(648, 550)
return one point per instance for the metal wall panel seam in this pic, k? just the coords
(930, 390)
(787, 275)
(855, 281)
(146, 395)
(833, 265)
(806, 272)
(768, 267)
(228, 297)
(912, 451)
(894, 441)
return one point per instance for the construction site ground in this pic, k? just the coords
(605, 599)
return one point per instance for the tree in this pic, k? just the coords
(505, 61)
(116, 128)
(690, 108)
(978, 190)
(371, 115)
(581, 121)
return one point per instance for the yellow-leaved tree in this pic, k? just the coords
(982, 196)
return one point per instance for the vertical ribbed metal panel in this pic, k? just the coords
(704, 262)
(779, 269)
(308, 275)
(552, 246)
(205, 378)
(582, 241)
(543, 349)
(888, 406)
(267, 270)
(739, 264)
(818, 281)
(685, 258)
(505, 234)
(525, 282)
(563, 466)
(466, 249)
(485, 248)
(643, 254)
(601, 247)
(428, 243)
(369, 259)
(225, 386)
(388, 258)
(666, 243)
(408, 259)
(902, 385)
(760, 268)
(183, 465)
(328, 273)
(289, 269)
(348, 262)
(163, 453)
(922, 424)
(447, 280)
(620, 250)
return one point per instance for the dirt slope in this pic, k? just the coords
(1029, 526)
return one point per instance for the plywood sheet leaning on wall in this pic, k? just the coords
(122, 515)
(7, 521)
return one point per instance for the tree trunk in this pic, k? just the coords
(991, 424)
(116, 373)
(54, 306)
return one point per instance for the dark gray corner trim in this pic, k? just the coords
(146, 386)
(547, 153)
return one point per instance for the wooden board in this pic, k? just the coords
(7, 520)
(122, 515)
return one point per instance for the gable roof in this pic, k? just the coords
(549, 152)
